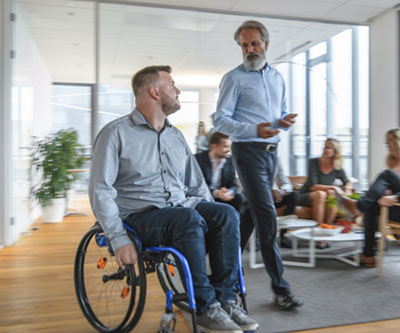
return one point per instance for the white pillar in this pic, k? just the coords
(5, 121)
(384, 86)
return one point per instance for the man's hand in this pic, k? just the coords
(288, 121)
(277, 195)
(264, 132)
(224, 194)
(126, 255)
(388, 200)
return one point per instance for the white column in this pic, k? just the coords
(384, 86)
(5, 121)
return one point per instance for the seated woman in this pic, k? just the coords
(323, 175)
(385, 191)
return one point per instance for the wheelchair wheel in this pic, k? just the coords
(111, 299)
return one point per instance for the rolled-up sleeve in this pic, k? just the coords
(102, 194)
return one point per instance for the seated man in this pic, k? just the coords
(284, 196)
(144, 173)
(220, 176)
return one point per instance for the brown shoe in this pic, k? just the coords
(368, 262)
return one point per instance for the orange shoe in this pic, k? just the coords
(368, 262)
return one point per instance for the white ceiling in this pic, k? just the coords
(198, 43)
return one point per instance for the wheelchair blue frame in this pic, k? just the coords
(155, 258)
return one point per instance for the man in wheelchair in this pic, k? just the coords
(143, 173)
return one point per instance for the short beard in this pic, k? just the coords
(170, 108)
(255, 63)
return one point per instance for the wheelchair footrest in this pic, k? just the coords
(168, 322)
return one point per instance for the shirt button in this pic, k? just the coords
(165, 171)
(162, 153)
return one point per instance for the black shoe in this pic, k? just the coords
(287, 302)
(284, 242)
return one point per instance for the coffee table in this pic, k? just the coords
(353, 250)
(283, 222)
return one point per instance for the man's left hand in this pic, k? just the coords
(224, 194)
(388, 200)
(288, 121)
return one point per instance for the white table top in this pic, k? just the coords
(294, 223)
(305, 234)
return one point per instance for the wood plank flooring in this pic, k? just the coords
(37, 292)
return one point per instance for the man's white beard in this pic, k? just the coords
(255, 63)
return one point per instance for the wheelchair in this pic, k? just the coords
(112, 299)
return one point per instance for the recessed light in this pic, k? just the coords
(75, 44)
(70, 13)
(150, 57)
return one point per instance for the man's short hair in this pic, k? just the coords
(252, 25)
(146, 77)
(217, 137)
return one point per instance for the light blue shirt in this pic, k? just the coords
(135, 168)
(247, 98)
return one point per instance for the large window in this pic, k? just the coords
(328, 88)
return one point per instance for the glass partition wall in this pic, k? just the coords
(93, 49)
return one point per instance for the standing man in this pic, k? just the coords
(220, 176)
(143, 173)
(251, 109)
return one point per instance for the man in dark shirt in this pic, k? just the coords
(220, 176)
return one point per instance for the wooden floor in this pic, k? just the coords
(37, 292)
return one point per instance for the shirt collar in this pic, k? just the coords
(213, 161)
(267, 67)
(139, 119)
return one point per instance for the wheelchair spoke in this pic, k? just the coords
(107, 293)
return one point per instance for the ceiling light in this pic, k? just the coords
(70, 13)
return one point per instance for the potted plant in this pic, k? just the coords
(52, 157)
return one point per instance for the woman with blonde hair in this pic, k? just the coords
(325, 177)
(385, 191)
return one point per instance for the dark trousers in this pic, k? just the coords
(255, 168)
(210, 227)
(289, 200)
(387, 180)
(239, 202)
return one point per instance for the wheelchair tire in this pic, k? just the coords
(111, 299)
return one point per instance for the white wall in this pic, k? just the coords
(5, 156)
(384, 86)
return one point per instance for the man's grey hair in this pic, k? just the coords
(146, 77)
(252, 25)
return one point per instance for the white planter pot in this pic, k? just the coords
(55, 212)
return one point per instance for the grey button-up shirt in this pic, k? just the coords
(135, 168)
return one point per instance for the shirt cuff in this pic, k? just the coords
(120, 241)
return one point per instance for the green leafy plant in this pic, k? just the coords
(53, 156)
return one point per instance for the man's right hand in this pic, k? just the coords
(264, 132)
(126, 255)
(277, 195)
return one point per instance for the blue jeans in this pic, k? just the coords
(210, 227)
(255, 168)
(387, 180)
